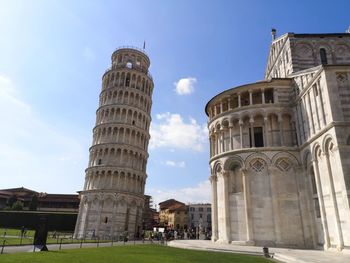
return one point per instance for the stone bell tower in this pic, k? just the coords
(113, 196)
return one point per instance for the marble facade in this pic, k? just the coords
(279, 149)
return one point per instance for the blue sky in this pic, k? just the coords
(53, 55)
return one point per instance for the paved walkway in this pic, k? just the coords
(29, 248)
(280, 254)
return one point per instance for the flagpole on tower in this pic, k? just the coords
(144, 45)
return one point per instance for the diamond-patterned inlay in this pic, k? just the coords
(341, 77)
(257, 164)
(283, 164)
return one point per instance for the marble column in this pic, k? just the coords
(241, 132)
(266, 133)
(227, 221)
(112, 179)
(214, 214)
(100, 206)
(274, 204)
(113, 219)
(231, 139)
(280, 122)
(239, 100)
(316, 107)
(248, 218)
(250, 97)
(86, 221)
(320, 100)
(251, 122)
(340, 244)
(263, 96)
(327, 243)
(222, 139)
(293, 133)
(229, 103)
(310, 113)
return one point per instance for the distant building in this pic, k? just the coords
(150, 216)
(199, 216)
(173, 215)
(46, 202)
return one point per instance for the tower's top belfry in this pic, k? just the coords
(130, 57)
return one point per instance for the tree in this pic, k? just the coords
(17, 206)
(33, 203)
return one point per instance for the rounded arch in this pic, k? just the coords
(225, 122)
(326, 143)
(234, 162)
(257, 155)
(315, 149)
(245, 115)
(217, 168)
(288, 155)
(258, 113)
(284, 161)
(307, 158)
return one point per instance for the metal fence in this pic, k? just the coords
(70, 243)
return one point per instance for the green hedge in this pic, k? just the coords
(30, 219)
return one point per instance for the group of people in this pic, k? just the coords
(176, 234)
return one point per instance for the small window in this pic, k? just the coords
(258, 137)
(269, 95)
(209, 218)
(129, 65)
(106, 220)
(127, 80)
(200, 209)
(323, 55)
(317, 208)
(208, 209)
(99, 162)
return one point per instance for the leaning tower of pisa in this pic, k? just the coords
(113, 196)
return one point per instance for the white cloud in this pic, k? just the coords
(33, 153)
(173, 132)
(185, 86)
(201, 193)
(181, 164)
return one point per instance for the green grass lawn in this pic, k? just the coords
(129, 254)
